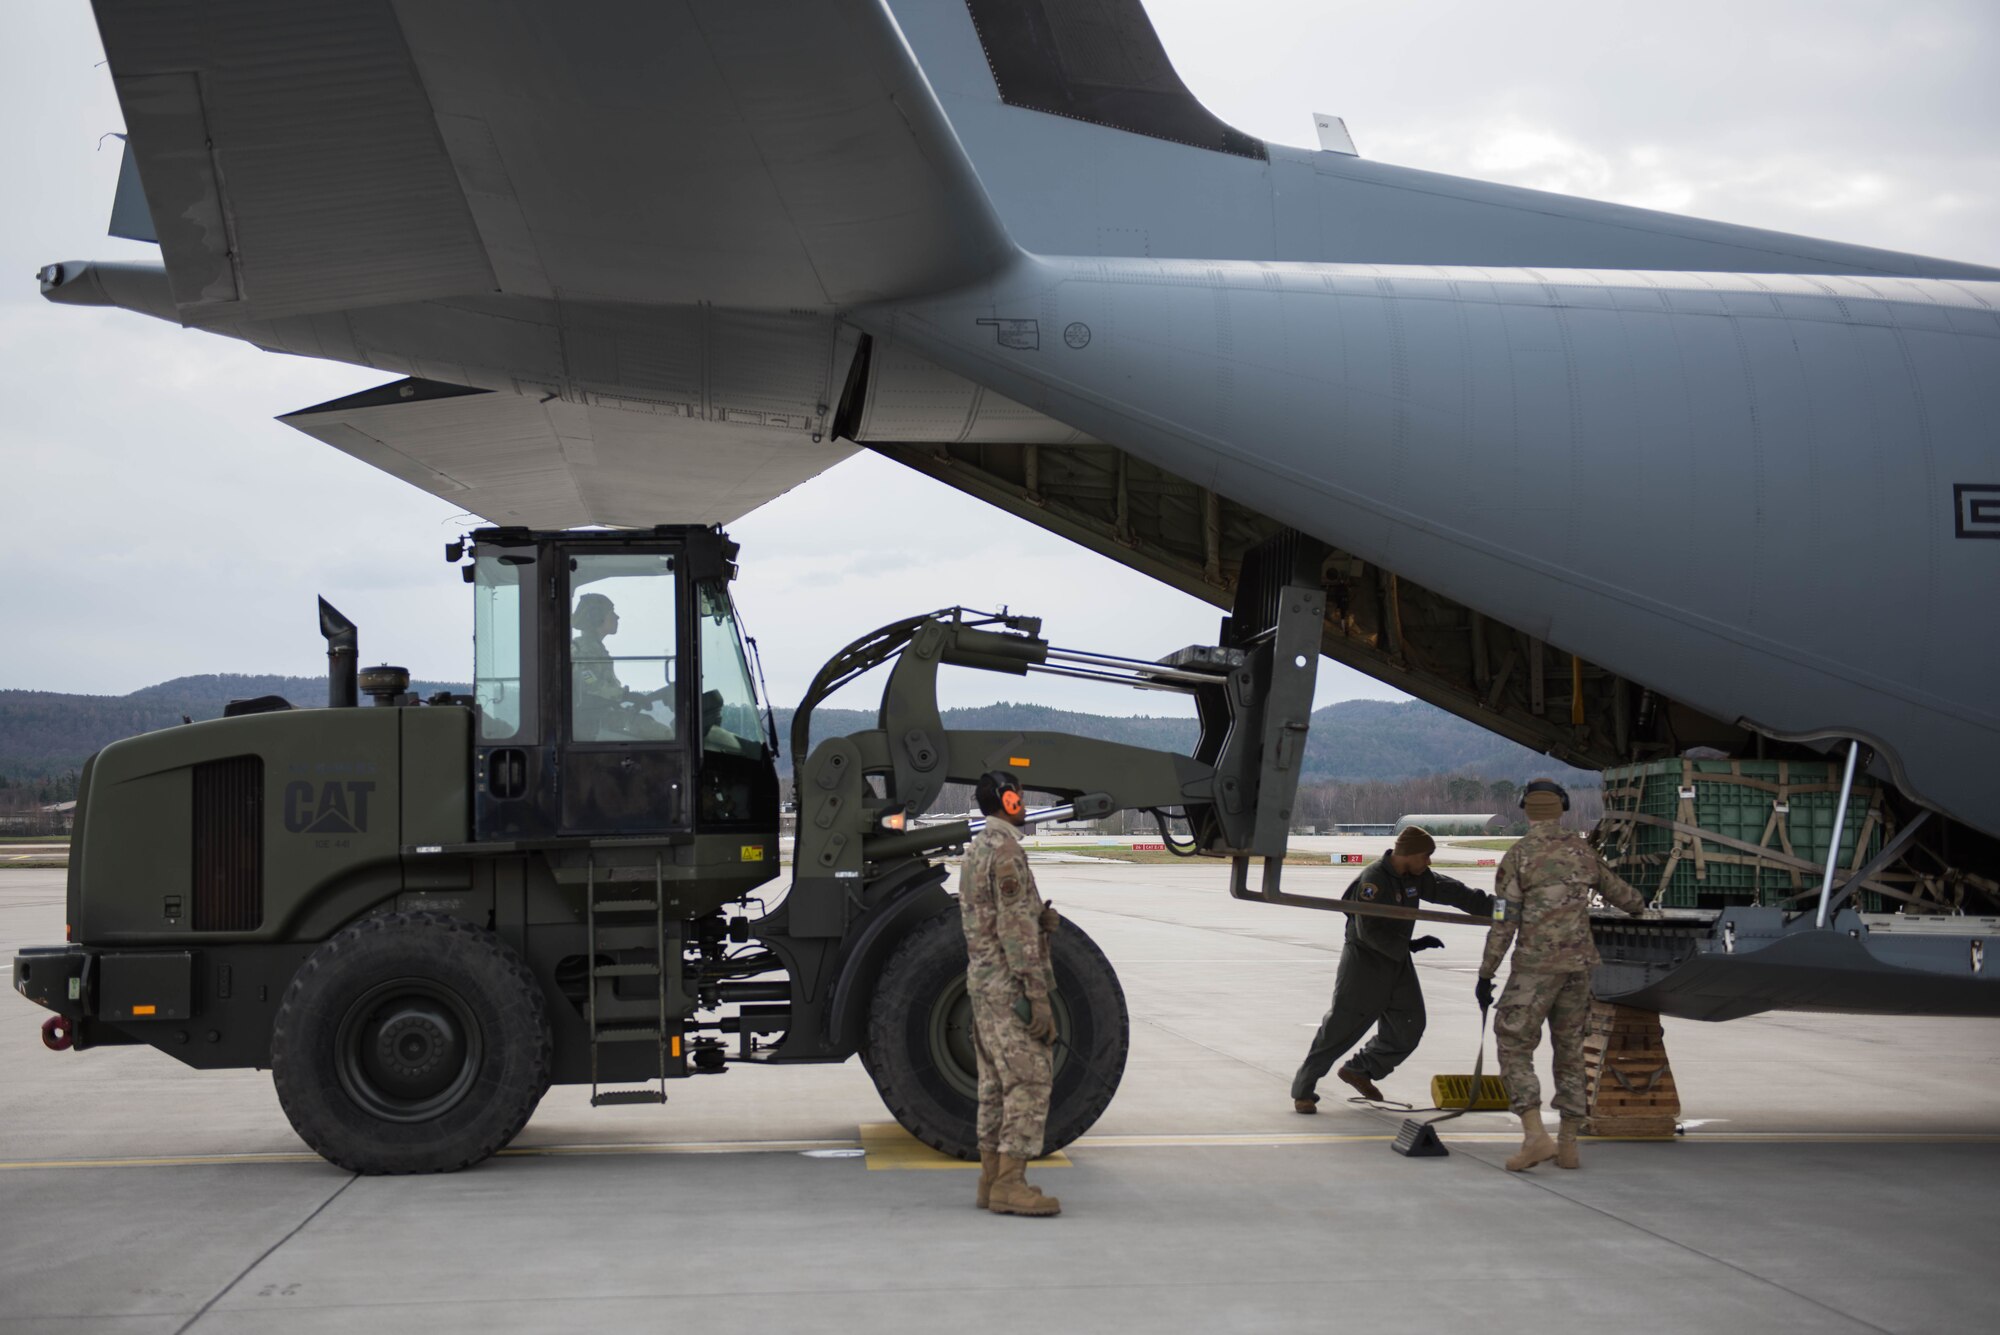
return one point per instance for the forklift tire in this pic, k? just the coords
(411, 1043)
(919, 1048)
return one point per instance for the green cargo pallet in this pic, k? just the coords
(1717, 833)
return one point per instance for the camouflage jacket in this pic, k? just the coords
(590, 661)
(1379, 884)
(1004, 946)
(1543, 894)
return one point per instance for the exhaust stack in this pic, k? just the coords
(342, 657)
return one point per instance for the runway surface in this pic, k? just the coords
(1838, 1174)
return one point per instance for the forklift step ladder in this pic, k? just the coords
(616, 923)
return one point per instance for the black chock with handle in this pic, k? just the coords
(1419, 1139)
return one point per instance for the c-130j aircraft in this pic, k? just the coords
(1609, 481)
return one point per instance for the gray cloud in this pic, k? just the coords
(1851, 119)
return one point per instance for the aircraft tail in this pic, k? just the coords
(1090, 144)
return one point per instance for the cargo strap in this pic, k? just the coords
(1614, 841)
(1645, 1085)
(1418, 1139)
(1779, 824)
(1471, 1089)
(1770, 855)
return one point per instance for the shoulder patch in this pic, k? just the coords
(1368, 892)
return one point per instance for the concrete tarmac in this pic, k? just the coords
(1838, 1174)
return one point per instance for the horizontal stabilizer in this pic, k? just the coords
(326, 155)
(555, 464)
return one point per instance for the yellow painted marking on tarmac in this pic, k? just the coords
(512, 1152)
(1222, 1141)
(677, 1147)
(877, 1140)
(889, 1146)
(177, 1161)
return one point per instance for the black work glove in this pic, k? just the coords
(1426, 943)
(1484, 991)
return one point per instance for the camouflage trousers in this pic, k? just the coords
(1015, 1073)
(1562, 1000)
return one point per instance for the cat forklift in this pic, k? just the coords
(421, 913)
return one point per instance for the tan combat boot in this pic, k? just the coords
(1566, 1143)
(1013, 1194)
(1536, 1147)
(989, 1168)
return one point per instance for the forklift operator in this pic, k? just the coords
(605, 710)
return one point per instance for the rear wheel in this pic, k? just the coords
(411, 1043)
(920, 1050)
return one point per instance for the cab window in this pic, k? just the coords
(502, 684)
(731, 722)
(624, 619)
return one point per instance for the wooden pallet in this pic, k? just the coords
(1629, 1088)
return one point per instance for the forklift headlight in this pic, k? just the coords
(895, 820)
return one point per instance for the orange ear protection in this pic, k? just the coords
(998, 791)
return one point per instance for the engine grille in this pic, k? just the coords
(229, 845)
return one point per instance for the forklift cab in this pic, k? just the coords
(612, 693)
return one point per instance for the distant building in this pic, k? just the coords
(1447, 823)
(1362, 828)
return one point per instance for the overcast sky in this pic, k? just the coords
(159, 523)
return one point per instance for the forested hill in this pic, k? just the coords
(44, 734)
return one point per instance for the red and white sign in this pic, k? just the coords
(1149, 848)
(1346, 858)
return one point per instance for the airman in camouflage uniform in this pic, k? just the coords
(599, 698)
(1007, 930)
(1542, 909)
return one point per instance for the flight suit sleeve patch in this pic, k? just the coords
(1368, 892)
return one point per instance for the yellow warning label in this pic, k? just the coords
(1018, 762)
(753, 852)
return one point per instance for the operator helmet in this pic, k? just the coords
(590, 610)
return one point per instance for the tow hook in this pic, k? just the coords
(57, 1034)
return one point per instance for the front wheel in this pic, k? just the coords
(920, 1052)
(411, 1043)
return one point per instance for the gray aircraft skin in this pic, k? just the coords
(665, 265)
